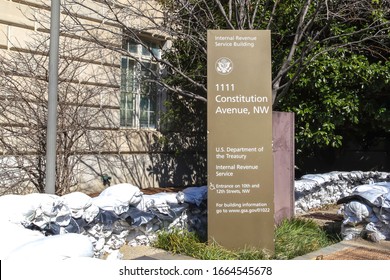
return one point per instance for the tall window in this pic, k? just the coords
(139, 92)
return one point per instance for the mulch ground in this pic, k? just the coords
(358, 253)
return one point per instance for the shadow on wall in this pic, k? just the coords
(147, 159)
(179, 161)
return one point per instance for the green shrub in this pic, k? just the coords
(293, 238)
(296, 237)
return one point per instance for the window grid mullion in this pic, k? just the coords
(134, 87)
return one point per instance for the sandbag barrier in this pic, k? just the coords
(364, 199)
(120, 214)
(77, 225)
(366, 212)
(316, 190)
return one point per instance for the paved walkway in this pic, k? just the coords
(359, 249)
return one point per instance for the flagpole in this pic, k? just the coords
(51, 137)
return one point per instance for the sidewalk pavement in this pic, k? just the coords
(358, 249)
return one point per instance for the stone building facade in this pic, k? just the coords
(109, 104)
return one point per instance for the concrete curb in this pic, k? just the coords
(323, 251)
(149, 253)
(362, 250)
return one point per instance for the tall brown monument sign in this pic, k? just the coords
(240, 163)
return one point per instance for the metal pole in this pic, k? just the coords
(51, 137)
